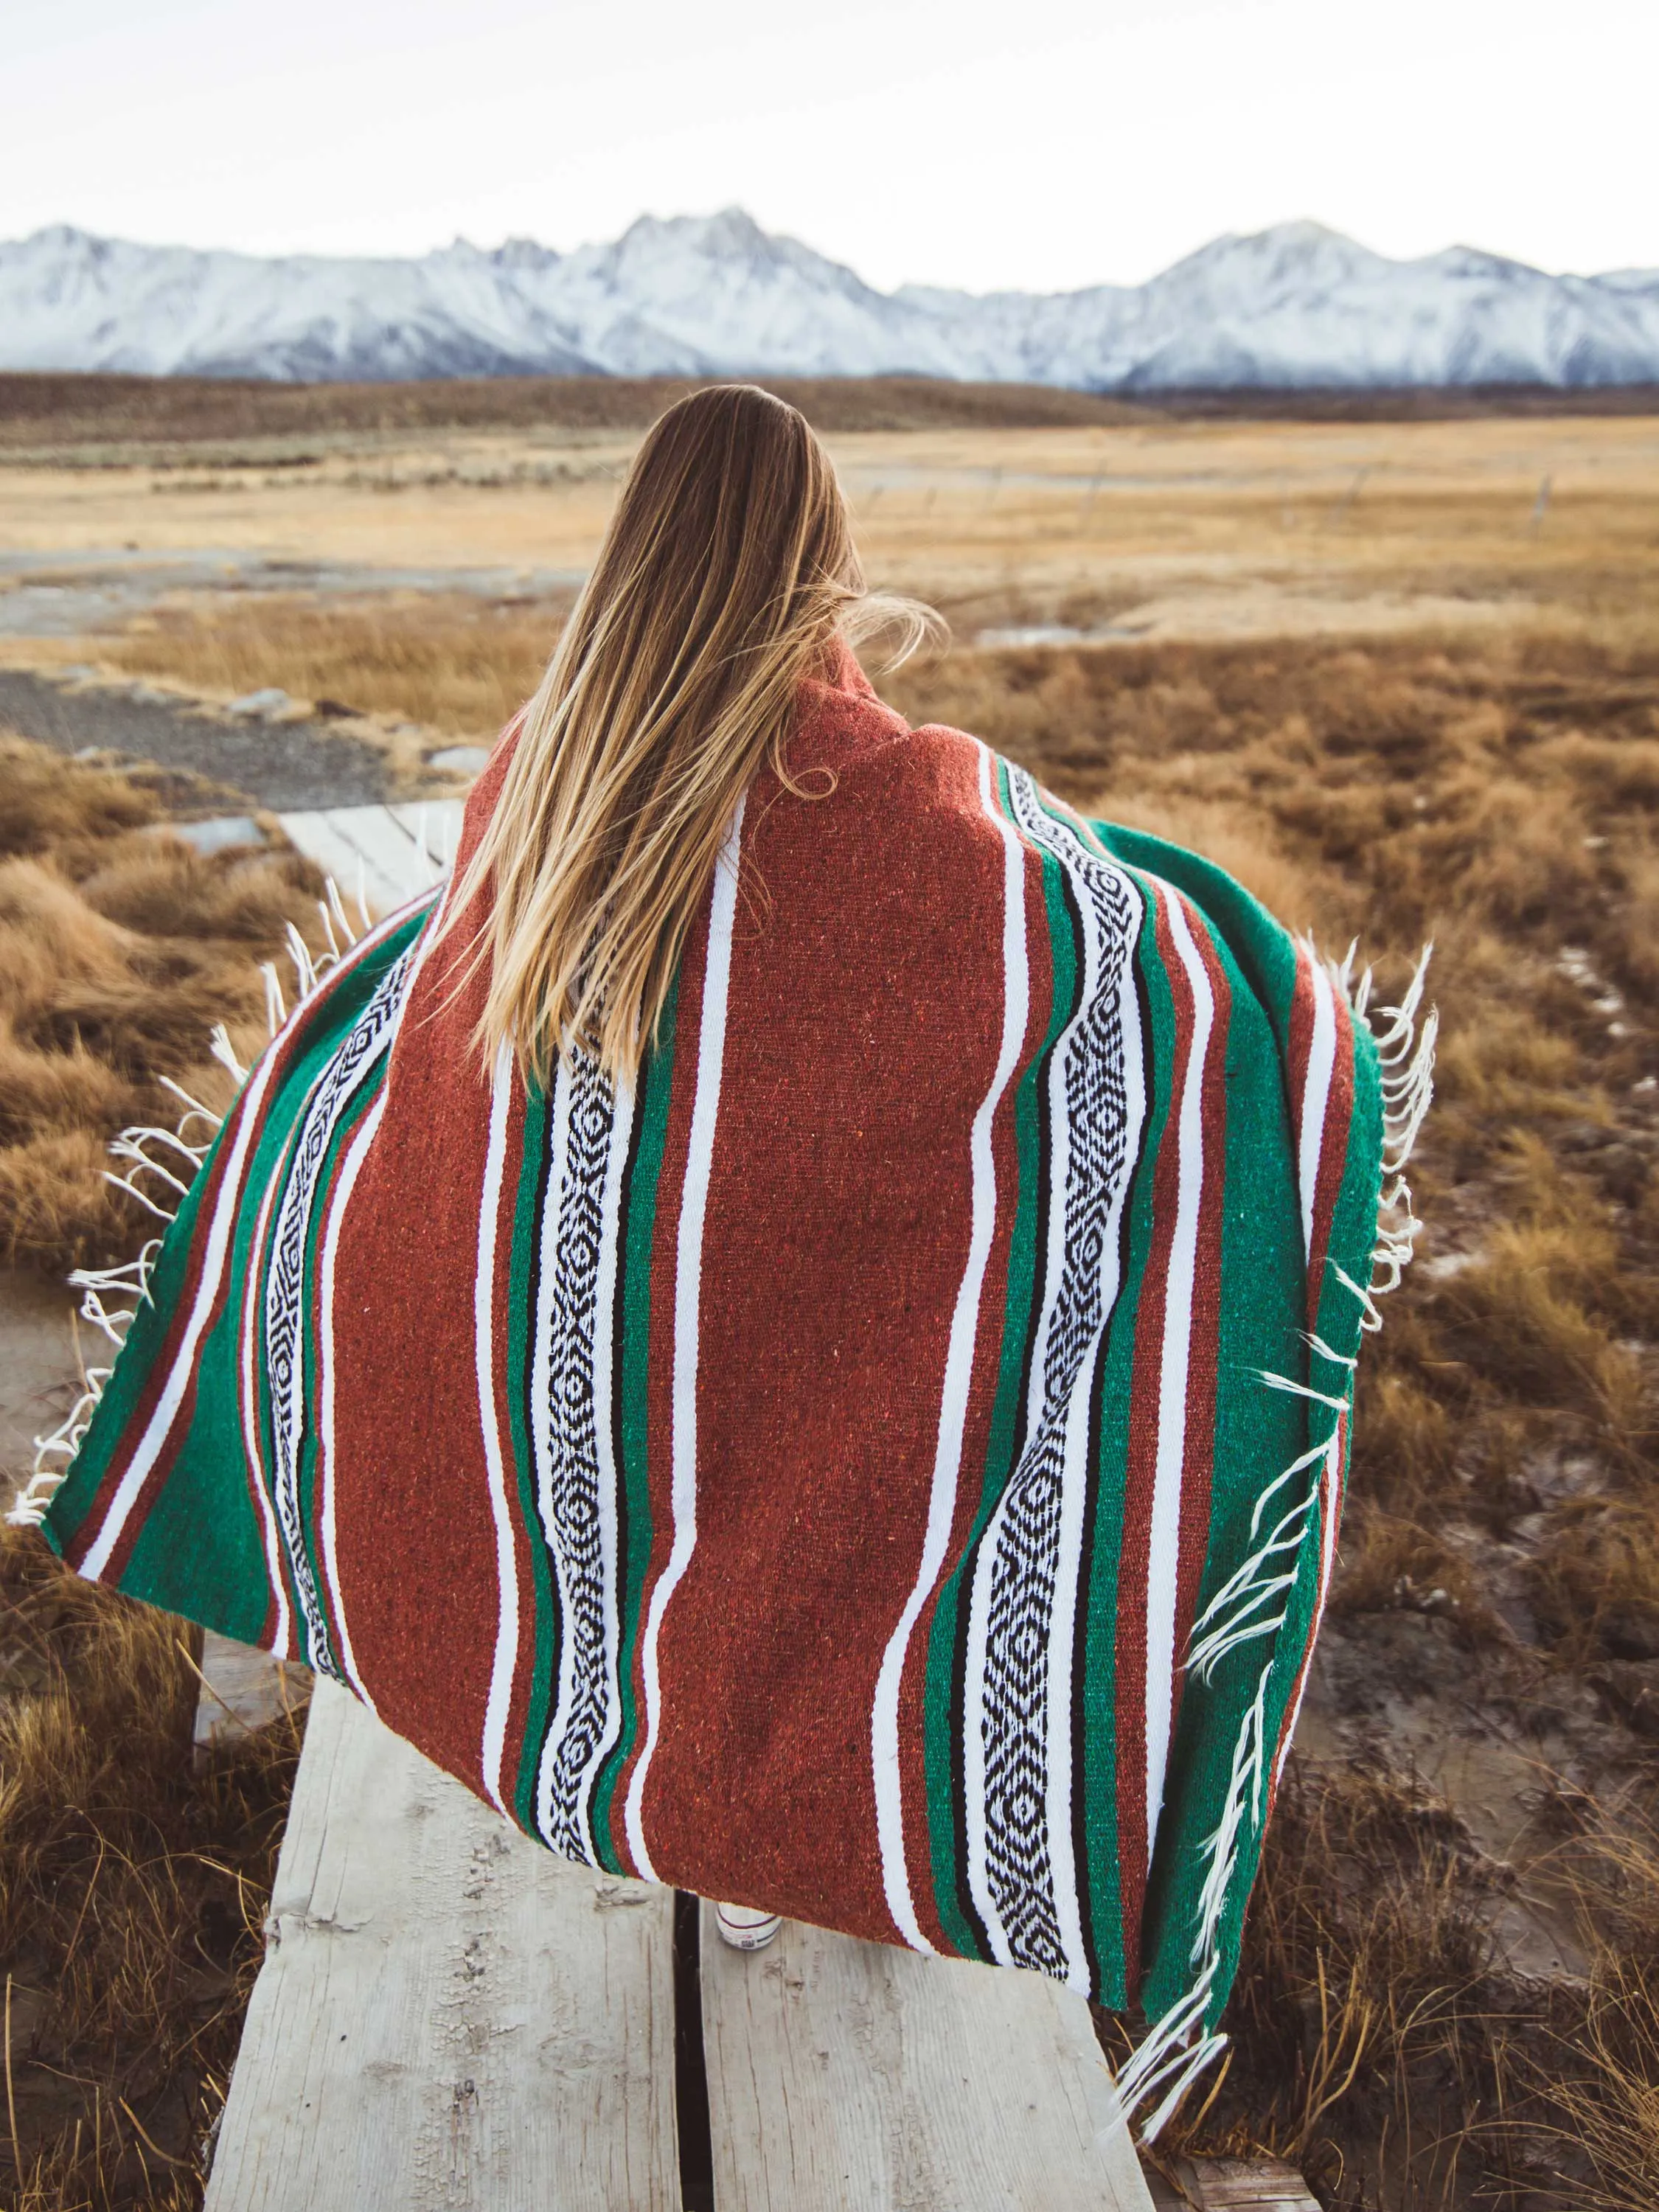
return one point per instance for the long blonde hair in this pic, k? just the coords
(727, 574)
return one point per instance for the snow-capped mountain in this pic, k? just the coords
(1296, 305)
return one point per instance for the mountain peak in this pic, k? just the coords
(1285, 253)
(525, 253)
(730, 234)
(1295, 304)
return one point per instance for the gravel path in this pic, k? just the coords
(284, 766)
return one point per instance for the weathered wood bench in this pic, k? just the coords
(448, 2016)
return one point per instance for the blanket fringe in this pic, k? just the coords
(1404, 1049)
(158, 1167)
(1252, 1603)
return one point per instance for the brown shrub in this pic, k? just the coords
(57, 1208)
(1505, 1065)
(1389, 1560)
(108, 983)
(51, 1093)
(1403, 1436)
(131, 1892)
(1613, 773)
(47, 798)
(1523, 1318)
(163, 889)
(1595, 1583)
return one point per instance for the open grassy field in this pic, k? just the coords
(1403, 679)
(1149, 528)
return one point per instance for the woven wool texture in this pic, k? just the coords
(884, 1470)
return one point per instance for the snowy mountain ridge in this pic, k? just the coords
(1296, 305)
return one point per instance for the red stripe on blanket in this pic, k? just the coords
(976, 1437)
(1302, 1027)
(407, 1431)
(277, 1636)
(1141, 1463)
(1333, 1153)
(840, 1232)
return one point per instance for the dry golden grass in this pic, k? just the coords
(132, 1894)
(1600, 2083)
(1379, 2047)
(451, 662)
(119, 949)
(1177, 528)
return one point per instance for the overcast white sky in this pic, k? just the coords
(1038, 143)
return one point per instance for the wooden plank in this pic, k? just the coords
(242, 1690)
(433, 825)
(378, 848)
(363, 848)
(855, 2077)
(1242, 2185)
(448, 2015)
(1165, 2195)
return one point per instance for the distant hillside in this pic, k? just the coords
(1296, 307)
(108, 417)
(63, 410)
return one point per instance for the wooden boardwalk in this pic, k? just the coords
(450, 2017)
(379, 854)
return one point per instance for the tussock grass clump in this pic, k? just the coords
(132, 1893)
(44, 805)
(1525, 1319)
(1380, 2045)
(1600, 2085)
(120, 948)
(1595, 1582)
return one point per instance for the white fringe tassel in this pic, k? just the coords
(112, 1296)
(1251, 1603)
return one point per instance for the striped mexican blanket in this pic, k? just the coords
(885, 1469)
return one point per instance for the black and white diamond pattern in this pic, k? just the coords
(339, 1082)
(1020, 1552)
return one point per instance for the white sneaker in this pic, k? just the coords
(745, 1929)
